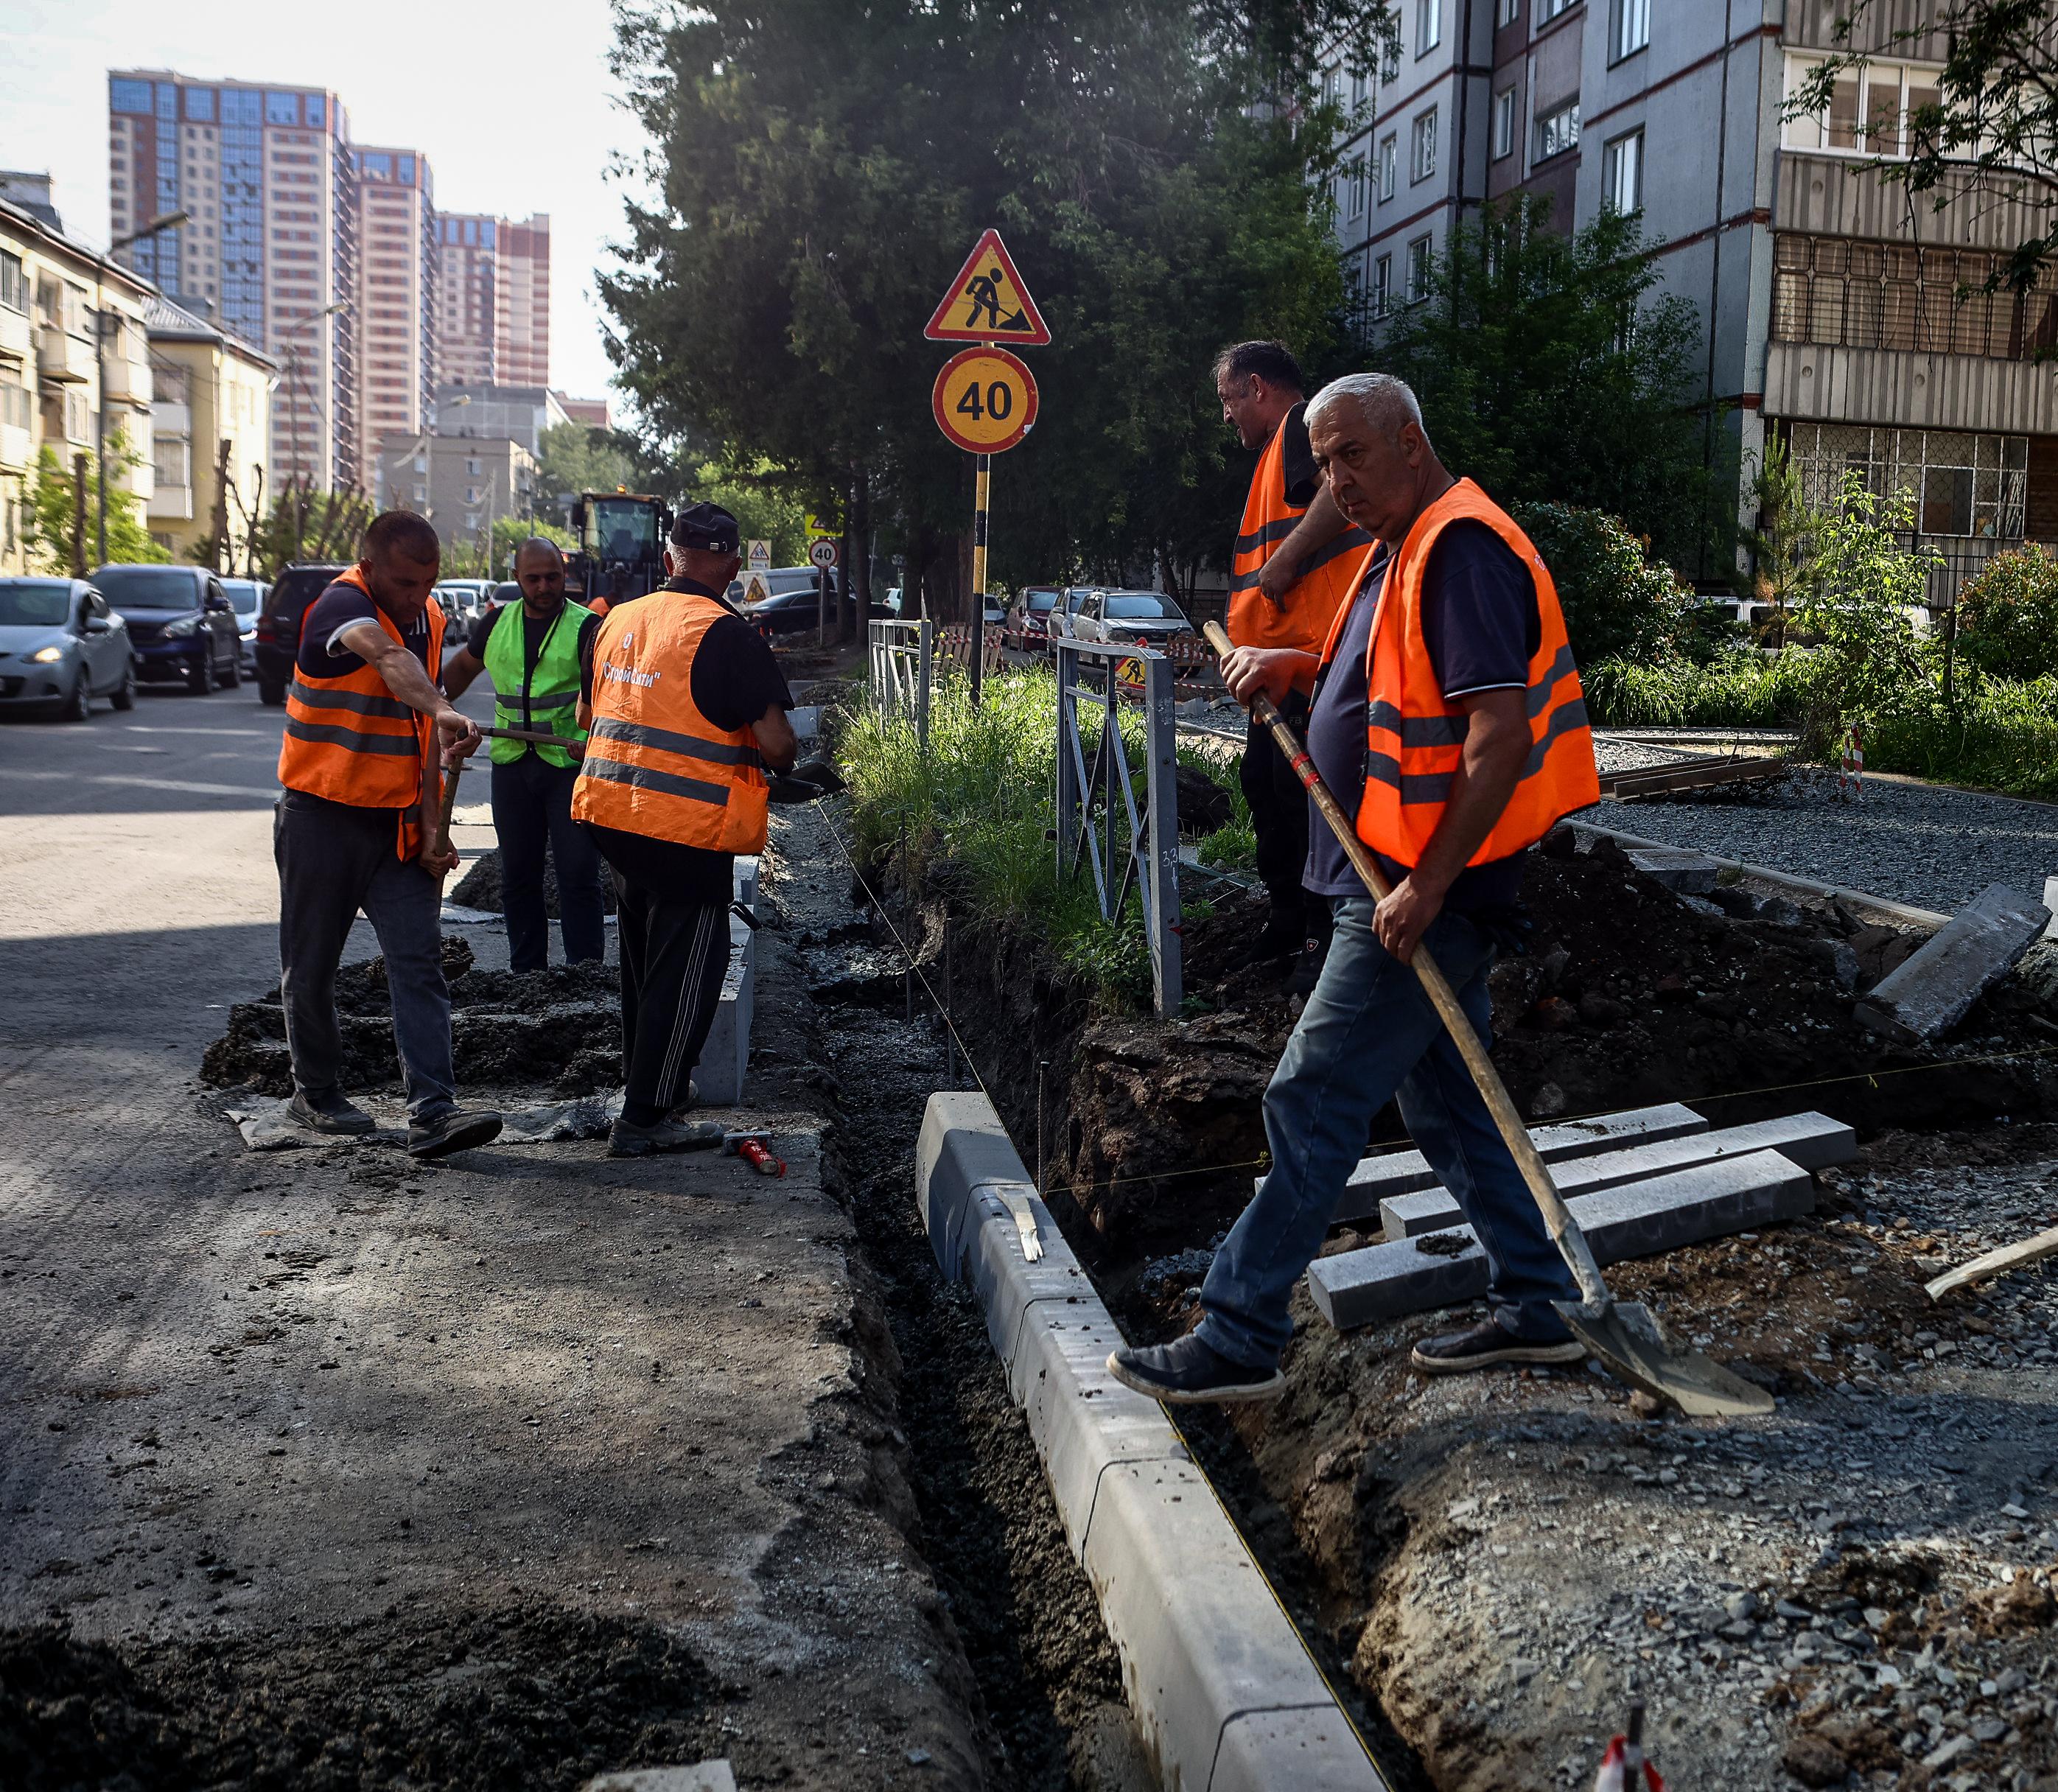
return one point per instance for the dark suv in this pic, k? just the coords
(292, 592)
(181, 625)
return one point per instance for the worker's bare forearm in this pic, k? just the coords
(459, 674)
(1496, 749)
(777, 743)
(401, 672)
(1320, 525)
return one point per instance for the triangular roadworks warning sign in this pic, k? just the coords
(988, 303)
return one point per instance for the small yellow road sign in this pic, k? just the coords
(988, 303)
(985, 400)
(756, 590)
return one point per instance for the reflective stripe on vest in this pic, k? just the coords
(1415, 736)
(1328, 577)
(552, 709)
(349, 739)
(654, 764)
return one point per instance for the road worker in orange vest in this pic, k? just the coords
(1297, 561)
(363, 714)
(1447, 717)
(687, 709)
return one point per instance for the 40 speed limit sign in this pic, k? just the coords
(985, 400)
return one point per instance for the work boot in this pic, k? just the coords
(331, 1114)
(626, 1139)
(1485, 1344)
(1283, 935)
(453, 1130)
(1190, 1372)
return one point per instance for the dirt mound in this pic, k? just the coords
(559, 1028)
(531, 1694)
(479, 887)
(1625, 995)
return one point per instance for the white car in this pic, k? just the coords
(247, 596)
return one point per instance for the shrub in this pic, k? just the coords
(1740, 687)
(2008, 616)
(1617, 599)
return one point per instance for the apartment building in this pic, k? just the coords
(269, 247)
(1827, 301)
(397, 297)
(213, 393)
(495, 300)
(73, 358)
(519, 413)
(462, 484)
(593, 412)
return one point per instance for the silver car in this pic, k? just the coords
(247, 596)
(61, 646)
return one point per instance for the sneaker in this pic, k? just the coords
(626, 1139)
(1189, 1371)
(332, 1115)
(1307, 967)
(453, 1130)
(1485, 1344)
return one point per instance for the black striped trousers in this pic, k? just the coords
(674, 954)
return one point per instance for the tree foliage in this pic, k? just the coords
(823, 174)
(1617, 599)
(50, 527)
(573, 458)
(2008, 616)
(1550, 370)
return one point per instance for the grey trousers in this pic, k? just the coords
(330, 867)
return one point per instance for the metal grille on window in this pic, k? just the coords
(1962, 484)
(1832, 291)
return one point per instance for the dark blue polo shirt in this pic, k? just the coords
(1480, 623)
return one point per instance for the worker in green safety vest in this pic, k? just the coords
(530, 651)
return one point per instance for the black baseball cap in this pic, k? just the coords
(708, 527)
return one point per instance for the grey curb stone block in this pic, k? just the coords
(1220, 1683)
(1639, 1219)
(725, 1060)
(1679, 868)
(1928, 992)
(1812, 1141)
(1404, 1172)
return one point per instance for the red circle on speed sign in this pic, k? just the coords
(985, 400)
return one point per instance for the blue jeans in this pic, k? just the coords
(1368, 1033)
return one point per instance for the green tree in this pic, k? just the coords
(573, 459)
(1858, 606)
(821, 177)
(2006, 617)
(50, 526)
(1549, 369)
(1617, 599)
(305, 526)
(1782, 540)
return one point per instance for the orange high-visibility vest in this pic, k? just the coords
(1328, 577)
(349, 739)
(654, 764)
(1415, 739)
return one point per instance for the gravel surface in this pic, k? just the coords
(1936, 848)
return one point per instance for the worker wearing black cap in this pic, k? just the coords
(687, 709)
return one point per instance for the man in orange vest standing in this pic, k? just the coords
(1448, 718)
(363, 714)
(1297, 561)
(687, 709)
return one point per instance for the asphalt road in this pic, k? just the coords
(262, 1403)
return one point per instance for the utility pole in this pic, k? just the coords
(78, 514)
(220, 518)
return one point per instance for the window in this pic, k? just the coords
(172, 457)
(1962, 484)
(1548, 9)
(282, 109)
(129, 96)
(15, 405)
(1630, 30)
(407, 170)
(1557, 132)
(1418, 269)
(1429, 26)
(1389, 154)
(1870, 108)
(471, 467)
(317, 111)
(1382, 286)
(77, 416)
(1832, 290)
(378, 164)
(1504, 123)
(1506, 12)
(14, 282)
(1622, 172)
(1422, 147)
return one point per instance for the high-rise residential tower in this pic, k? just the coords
(269, 247)
(495, 316)
(397, 298)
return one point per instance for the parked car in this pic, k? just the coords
(508, 591)
(61, 646)
(1031, 617)
(279, 627)
(793, 606)
(247, 596)
(463, 598)
(181, 625)
(1148, 618)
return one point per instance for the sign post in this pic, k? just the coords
(984, 398)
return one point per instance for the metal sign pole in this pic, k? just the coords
(982, 489)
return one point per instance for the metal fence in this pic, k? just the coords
(1098, 822)
(903, 663)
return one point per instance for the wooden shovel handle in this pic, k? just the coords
(1563, 1229)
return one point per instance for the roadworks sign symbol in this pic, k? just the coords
(755, 590)
(988, 303)
(759, 557)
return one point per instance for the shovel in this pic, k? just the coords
(1623, 1334)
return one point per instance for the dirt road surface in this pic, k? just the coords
(328, 1469)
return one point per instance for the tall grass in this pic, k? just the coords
(2004, 735)
(1743, 690)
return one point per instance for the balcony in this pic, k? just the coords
(15, 343)
(128, 382)
(171, 419)
(62, 359)
(172, 503)
(18, 446)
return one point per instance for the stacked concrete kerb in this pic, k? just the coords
(725, 1057)
(1222, 1688)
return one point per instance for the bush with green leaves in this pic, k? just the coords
(2008, 616)
(1617, 599)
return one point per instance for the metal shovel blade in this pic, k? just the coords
(1633, 1347)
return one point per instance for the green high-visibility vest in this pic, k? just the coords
(545, 701)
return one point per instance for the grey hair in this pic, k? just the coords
(1387, 403)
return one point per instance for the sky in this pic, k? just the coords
(512, 104)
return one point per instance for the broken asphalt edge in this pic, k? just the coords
(1222, 1688)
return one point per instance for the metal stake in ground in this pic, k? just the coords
(1624, 1335)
